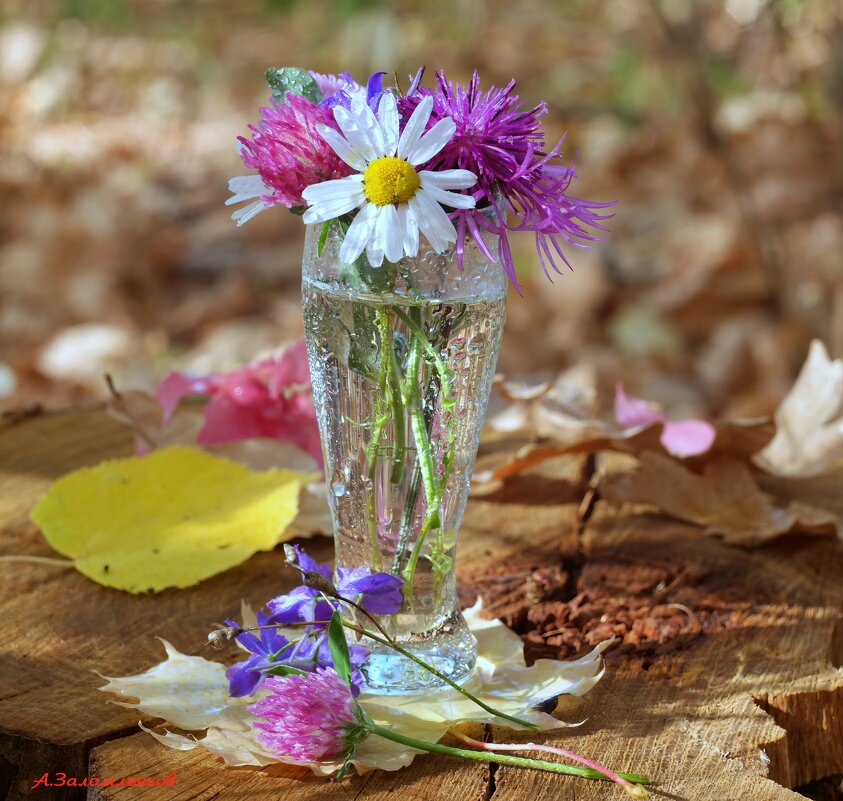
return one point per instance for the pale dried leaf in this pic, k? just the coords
(191, 693)
(820, 492)
(809, 421)
(142, 413)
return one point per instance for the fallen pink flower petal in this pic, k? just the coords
(679, 437)
(271, 398)
(632, 412)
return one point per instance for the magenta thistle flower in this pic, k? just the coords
(308, 718)
(504, 146)
(289, 155)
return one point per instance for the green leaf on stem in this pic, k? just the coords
(339, 648)
(323, 237)
(293, 80)
(285, 670)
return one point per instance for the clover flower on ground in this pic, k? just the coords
(307, 718)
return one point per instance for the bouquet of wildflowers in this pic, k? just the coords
(390, 165)
(409, 198)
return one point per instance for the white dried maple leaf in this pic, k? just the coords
(809, 421)
(190, 692)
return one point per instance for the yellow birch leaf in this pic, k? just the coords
(169, 519)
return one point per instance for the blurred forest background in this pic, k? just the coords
(716, 124)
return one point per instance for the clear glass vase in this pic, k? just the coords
(402, 358)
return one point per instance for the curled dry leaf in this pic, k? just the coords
(724, 499)
(739, 439)
(561, 408)
(561, 416)
(809, 421)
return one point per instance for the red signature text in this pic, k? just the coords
(63, 780)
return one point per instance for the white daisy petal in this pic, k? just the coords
(358, 233)
(452, 199)
(246, 185)
(408, 224)
(432, 142)
(375, 245)
(356, 135)
(415, 126)
(337, 187)
(388, 118)
(448, 179)
(244, 214)
(339, 144)
(331, 199)
(433, 221)
(393, 233)
(361, 125)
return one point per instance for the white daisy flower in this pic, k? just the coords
(394, 201)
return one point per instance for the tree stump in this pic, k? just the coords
(724, 681)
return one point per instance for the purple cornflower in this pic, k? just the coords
(288, 152)
(504, 146)
(308, 718)
(378, 593)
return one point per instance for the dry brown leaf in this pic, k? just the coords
(724, 500)
(142, 413)
(809, 421)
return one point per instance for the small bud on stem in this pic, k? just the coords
(221, 637)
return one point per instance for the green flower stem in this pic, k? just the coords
(387, 398)
(392, 644)
(410, 569)
(424, 455)
(441, 368)
(406, 520)
(397, 406)
(501, 759)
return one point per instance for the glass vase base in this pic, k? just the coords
(450, 648)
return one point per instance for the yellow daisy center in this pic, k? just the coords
(390, 180)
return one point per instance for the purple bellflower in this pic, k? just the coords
(308, 650)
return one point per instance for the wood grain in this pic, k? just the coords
(743, 713)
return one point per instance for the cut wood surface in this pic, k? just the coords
(724, 681)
